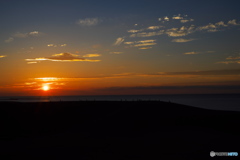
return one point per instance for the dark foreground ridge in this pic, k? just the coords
(115, 130)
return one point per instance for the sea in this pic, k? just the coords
(229, 102)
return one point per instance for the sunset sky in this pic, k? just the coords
(72, 47)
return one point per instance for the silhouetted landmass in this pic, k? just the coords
(115, 130)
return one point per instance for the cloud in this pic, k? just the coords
(159, 74)
(146, 41)
(208, 72)
(181, 40)
(38, 83)
(154, 27)
(49, 79)
(228, 62)
(31, 62)
(156, 30)
(2, 56)
(20, 35)
(217, 26)
(62, 57)
(134, 31)
(52, 45)
(179, 32)
(221, 23)
(222, 80)
(177, 17)
(119, 41)
(181, 18)
(176, 33)
(55, 45)
(145, 48)
(233, 22)
(166, 18)
(25, 35)
(88, 22)
(10, 39)
(63, 45)
(182, 31)
(52, 79)
(190, 53)
(186, 20)
(143, 43)
(147, 34)
(232, 58)
(92, 55)
(34, 33)
(210, 27)
(188, 74)
(116, 52)
(128, 42)
(173, 32)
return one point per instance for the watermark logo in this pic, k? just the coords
(213, 154)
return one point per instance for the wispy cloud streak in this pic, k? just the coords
(10, 39)
(182, 40)
(88, 22)
(2, 56)
(62, 57)
(119, 41)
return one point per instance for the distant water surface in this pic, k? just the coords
(208, 101)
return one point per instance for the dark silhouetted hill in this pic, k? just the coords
(115, 130)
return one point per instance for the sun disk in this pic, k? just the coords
(45, 88)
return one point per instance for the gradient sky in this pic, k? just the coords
(119, 47)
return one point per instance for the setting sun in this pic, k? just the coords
(45, 88)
